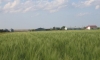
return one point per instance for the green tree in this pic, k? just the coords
(63, 27)
(54, 28)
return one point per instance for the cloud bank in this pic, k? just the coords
(15, 6)
(23, 6)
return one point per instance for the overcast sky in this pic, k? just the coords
(26, 14)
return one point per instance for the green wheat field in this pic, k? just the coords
(50, 45)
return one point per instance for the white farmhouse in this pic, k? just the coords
(65, 28)
(89, 27)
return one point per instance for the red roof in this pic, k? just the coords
(91, 26)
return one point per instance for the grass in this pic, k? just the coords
(51, 45)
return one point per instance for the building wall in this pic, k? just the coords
(89, 28)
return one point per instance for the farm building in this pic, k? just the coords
(89, 27)
(65, 28)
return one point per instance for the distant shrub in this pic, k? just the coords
(4, 30)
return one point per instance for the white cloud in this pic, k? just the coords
(97, 7)
(13, 6)
(76, 5)
(55, 5)
(27, 9)
(15, 3)
(87, 3)
(82, 14)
